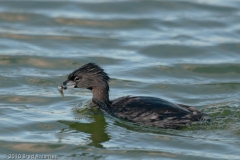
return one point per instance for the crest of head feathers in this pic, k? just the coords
(90, 68)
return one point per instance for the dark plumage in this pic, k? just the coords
(149, 111)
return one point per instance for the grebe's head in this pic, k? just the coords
(88, 76)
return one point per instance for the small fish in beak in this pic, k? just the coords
(60, 89)
(65, 85)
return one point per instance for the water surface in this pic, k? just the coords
(184, 51)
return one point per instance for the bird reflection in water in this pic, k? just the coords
(96, 128)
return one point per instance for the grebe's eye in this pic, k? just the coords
(76, 79)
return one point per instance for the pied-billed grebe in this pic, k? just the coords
(149, 111)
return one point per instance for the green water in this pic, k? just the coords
(183, 51)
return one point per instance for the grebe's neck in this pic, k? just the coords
(101, 97)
